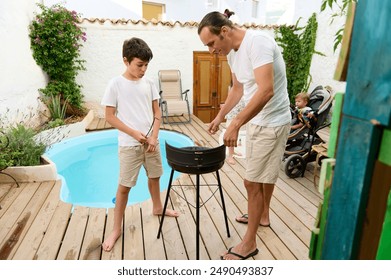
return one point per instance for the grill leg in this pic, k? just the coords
(198, 218)
(165, 203)
(223, 203)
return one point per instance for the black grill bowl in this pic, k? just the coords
(195, 159)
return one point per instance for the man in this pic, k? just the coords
(258, 74)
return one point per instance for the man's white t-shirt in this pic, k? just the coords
(133, 101)
(258, 49)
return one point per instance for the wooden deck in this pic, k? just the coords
(35, 224)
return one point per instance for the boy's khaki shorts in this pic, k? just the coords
(132, 158)
(265, 148)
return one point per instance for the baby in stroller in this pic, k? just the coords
(302, 112)
(298, 151)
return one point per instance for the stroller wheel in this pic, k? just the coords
(294, 166)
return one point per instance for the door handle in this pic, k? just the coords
(214, 94)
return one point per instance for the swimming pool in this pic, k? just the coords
(88, 166)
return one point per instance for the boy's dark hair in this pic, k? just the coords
(136, 48)
(215, 20)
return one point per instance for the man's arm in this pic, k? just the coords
(233, 98)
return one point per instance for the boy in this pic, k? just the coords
(132, 107)
(301, 101)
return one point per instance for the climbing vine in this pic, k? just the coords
(56, 39)
(298, 44)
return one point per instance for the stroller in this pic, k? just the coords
(298, 152)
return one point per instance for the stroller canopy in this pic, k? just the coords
(320, 99)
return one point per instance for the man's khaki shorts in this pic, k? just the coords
(265, 148)
(132, 158)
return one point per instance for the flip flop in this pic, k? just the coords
(245, 216)
(240, 256)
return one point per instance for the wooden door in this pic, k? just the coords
(211, 78)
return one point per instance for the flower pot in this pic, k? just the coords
(47, 171)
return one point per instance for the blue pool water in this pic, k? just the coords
(88, 166)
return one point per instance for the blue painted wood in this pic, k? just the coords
(358, 146)
(368, 89)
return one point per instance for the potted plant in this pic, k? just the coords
(22, 156)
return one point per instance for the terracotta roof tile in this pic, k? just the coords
(169, 23)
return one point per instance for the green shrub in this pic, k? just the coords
(20, 148)
(298, 46)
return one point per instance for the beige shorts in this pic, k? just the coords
(132, 158)
(265, 148)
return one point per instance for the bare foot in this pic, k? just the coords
(169, 213)
(231, 160)
(109, 242)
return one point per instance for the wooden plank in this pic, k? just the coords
(31, 242)
(343, 60)
(354, 167)
(51, 242)
(171, 235)
(4, 190)
(208, 238)
(375, 211)
(10, 217)
(303, 216)
(325, 186)
(154, 248)
(133, 234)
(116, 251)
(368, 88)
(214, 209)
(335, 125)
(26, 218)
(301, 200)
(92, 242)
(269, 243)
(185, 221)
(8, 197)
(309, 194)
(71, 244)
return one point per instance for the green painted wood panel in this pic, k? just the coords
(384, 250)
(326, 178)
(385, 148)
(350, 187)
(335, 124)
(368, 87)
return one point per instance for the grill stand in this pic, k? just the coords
(197, 209)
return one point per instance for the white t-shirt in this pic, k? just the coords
(258, 49)
(133, 101)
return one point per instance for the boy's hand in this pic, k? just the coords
(140, 137)
(152, 143)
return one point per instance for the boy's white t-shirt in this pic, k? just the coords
(133, 101)
(258, 49)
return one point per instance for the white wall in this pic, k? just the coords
(172, 49)
(20, 77)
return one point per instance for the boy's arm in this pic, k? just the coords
(112, 119)
(152, 140)
(157, 114)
